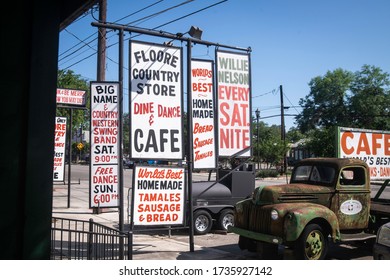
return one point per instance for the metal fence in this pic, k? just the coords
(86, 240)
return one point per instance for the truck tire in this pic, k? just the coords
(312, 244)
(226, 218)
(202, 222)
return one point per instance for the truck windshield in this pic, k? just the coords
(313, 174)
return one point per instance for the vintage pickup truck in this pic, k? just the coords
(327, 200)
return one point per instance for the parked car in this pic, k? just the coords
(381, 250)
(128, 163)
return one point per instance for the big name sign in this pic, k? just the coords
(104, 163)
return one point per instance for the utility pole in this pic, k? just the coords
(101, 62)
(258, 138)
(101, 55)
(282, 127)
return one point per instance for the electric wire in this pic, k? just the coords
(177, 19)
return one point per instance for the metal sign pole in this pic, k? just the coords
(189, 147)
(120, 160)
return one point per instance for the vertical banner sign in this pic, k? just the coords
(71, 97)
(158, 195)
(234, 102)
(59, 149)
(372, 146)
(156, 101)
(104, 162)
(203, 121)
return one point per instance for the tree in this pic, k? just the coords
(370, 102)
(343, 98)
(80, 117)
(269, 149)
(326, 104)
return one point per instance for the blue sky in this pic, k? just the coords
(291, 41)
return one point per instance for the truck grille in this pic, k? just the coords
(255, 218)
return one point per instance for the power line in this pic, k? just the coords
(144, 18)
(136, 12)
(177, 19)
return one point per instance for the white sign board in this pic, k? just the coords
(156, 101)
(59, 149)
(158, 195)
(104, 159)
(371, 146)
(203, 114)
(234, 102)
(71, 97)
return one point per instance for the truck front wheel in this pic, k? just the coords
(202, 222)
(312, 244)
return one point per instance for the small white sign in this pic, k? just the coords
(72, 97)
(59, 149)
(351, 207)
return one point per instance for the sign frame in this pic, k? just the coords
(157, 175)
(58, 141)
(71, 91)
(143, 120)
(244, 92)
(106, 168)
(205, 81)
(379, 164)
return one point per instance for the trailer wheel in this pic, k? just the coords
(202, 222)
(226, 218)
(312, 244)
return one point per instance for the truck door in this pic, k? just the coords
(352, 201)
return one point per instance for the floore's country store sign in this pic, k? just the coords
(158, 195)
(71, 97)
(59, 149)
(372, 146)
(203, 113)
(104, 160)
(156, 113)
(234, 102)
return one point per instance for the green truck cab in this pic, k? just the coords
(327, 199)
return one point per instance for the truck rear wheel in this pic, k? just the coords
(312, 244)
(202, 222)
(226, 218)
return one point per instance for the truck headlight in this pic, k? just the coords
(274, 215)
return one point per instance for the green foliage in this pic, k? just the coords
(269, 148)
(267, 173)
(343, 98)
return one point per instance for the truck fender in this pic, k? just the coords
(298, 218)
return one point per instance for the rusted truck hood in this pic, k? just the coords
(292, 193)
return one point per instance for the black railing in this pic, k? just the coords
(80, 240)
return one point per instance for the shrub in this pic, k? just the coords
(264, 173)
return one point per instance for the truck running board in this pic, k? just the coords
(356, 236)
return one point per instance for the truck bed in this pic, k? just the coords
(380, 203)
(382, 208)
